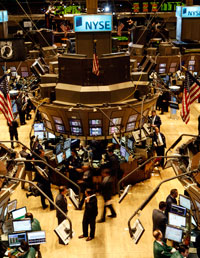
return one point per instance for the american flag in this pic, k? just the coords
(5, 103)
(95, 65)
(190, 93)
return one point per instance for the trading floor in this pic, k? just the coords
(112, 239)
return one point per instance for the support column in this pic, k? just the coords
(189, 2)
(91, 6)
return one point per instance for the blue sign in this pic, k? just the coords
(3, 16)
(188, 11)
(92, 23)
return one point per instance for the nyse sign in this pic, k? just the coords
(92, 23)
(188, 12)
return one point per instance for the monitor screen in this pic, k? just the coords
(40, 135)
(178, 210)
(162, 70)
(95, 122)
(139, 135)
(130, 126)
(25, 74)
(36, 237)
(127, 156)
(113, 129)
(116, 121)
(60, 128)
(67, 144)
(174, 234)
(95, 131)
(173, 65)
(75, 122)
(123, 140)
(16, 239)
(184, 201)
(38, 127)
(68, 153)
(191, 67)
(51, 136)
(58, 148)
(12, 206)
(162, 65)
(195, 73)
(13, 69)
(58, 120)
(14, 107)
(59, 157)
(19, 213)
(130, 144)
(76, 131)
(132, 118)
(22, 225)
(176, 220)
(123, 151)
(191, 62)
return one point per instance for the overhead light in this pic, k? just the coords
(119, 108)
(70, 109)
(94, 109)
(107, 9)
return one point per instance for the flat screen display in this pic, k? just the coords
(67, 144)
(40, 135)
(96, 131)
(75, 122)
(191, 67)
(139, 135)
(162, 65)
(191, 62)
(184, 201)
(113, 129)
(116, 121)
(60, 128)
(51, 136)
(178, 210)
(58, 120)
(68, 153)
(25, 74)
(132, 118)
(130, 144)
(127, 156)
(36, 237)
(22, 225)
(58, 148)
(176, 220)
(174, 234)
(123, 151)
(19, 213)
(95, 122)
(15, 239)
(130, 126)
(38, 127)
(59, 157)
(76, 131)
(12, 206)
(162, 70)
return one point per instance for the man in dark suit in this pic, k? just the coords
(155, 120)
(159, 144)
(159, 218)
(13, 132)
(61, 202)
(89, 217)
(171, 199)
(106, 190)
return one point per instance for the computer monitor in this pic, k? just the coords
(58, 148)
(95, 131)
(68, 153)
(162, 70)
(162, 65)
(38, 127)
(113, 129)
(130, 144)
(59, 158)
(19, 213)
(178, 210)
(22, 225)
(67, 144)
(127, 156)
(191, 62)
(174, 234)
(15, 239)
(60, 128)
(12, 206)
(184, 201)
(36, 237)
(123, 140)
(57, 120)
(51, 136)
(139, 135)
(195, 73)
(132, 118)
(75, 122)
(95, 122)
(114, 141)
(193, 221)
(176, 220)
(116, 121)
(122, 151)
(40, 135)
(76, 131)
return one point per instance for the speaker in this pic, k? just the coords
(12, 50)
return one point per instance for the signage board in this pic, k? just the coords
(3, 16)
(188, 11)
(92, 23)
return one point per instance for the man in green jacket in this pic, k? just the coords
(35, 224)
(182, 252)
(160, 248)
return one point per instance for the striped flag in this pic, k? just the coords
(95, 65)
(5, 103)
(190, 93)
(119, 29)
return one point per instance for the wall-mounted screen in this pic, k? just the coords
(12, 206)
(162, 65)
(191, 62)
(184, 201)
(115, 121)
(132, 118)
(130, 126)
(130, 144)
(174, 234)
(60, 128)
(24, 74)
(123, 151)
(38, 127)
(75, 122)
(95, 122)
(162, 70)
(173, 64)
(58, 120)
(176, 220)
(39, 135)
(76, 131)
(15, 239)
(19, 213)
(172, 69)
(113, 129)
(36, 237)
(67, 144)
(96, 131)
(22, 225)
